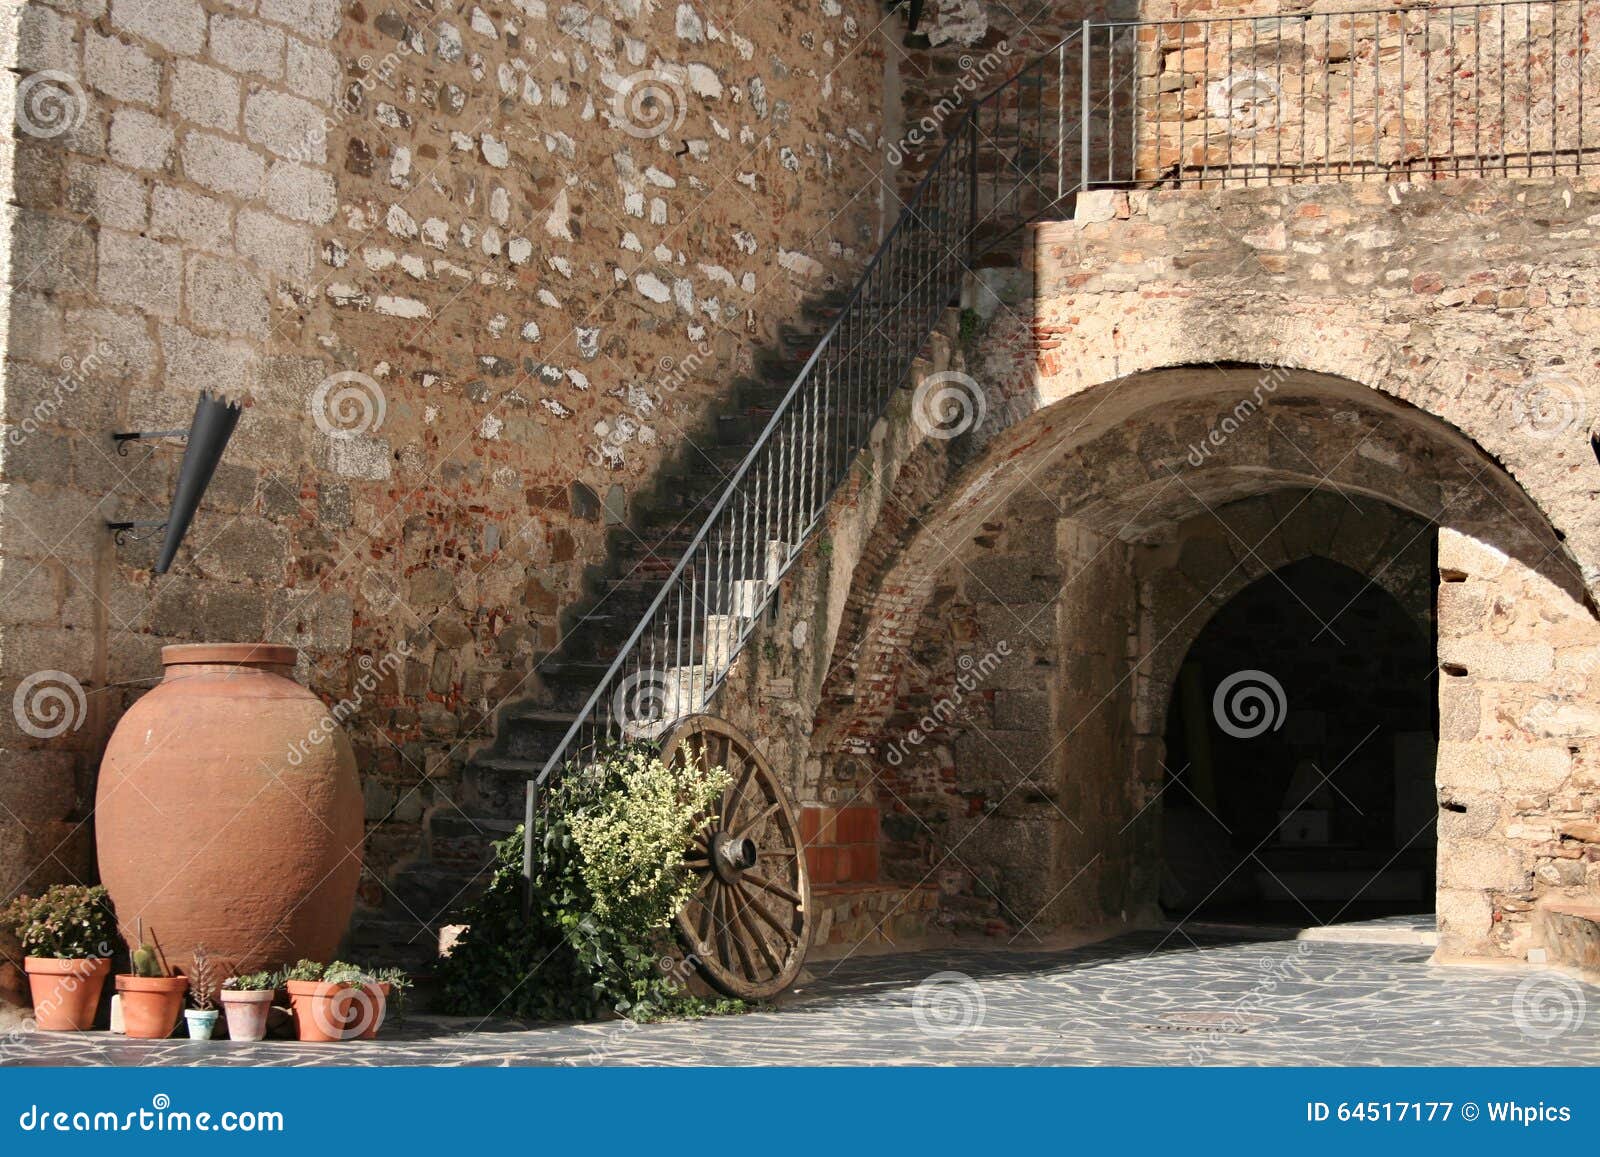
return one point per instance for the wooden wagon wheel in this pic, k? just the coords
(748, 923)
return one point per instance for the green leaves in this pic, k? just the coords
(68, 922)
(604, 891)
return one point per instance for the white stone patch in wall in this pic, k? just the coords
(558, 95)
(559, 223)
(748, 283)
(633, 204)
(720, 129)
(377, 259)
(461, 142)
(744, 241)
(683, 294)
(718, 274)
(495, 152)
(662, 254)
(547, 298)
(482, 25)
(519, 250)
(435, 232)
(491, 242)
(390, 117)
(659, 179)
(500, 205)
(532, 94)
(360, 456)
(689, 26)
(400, 167)
(788, 160)
(757, 88)
(630, 243)
(658, 211)
(745, 48)
(532, 9)
(529, 331)
(555, 407)
(335, 255)
(651, 287)
(406, 307)
(579, 379)
(588, 341)
(399, 222)
(497, 325)
(561, 265)
(490, 427)
(798, 263)
(449, 45)
(507, 77)
(704, 82)
(560, 145)
(341, 294)
(430, 414)
(443, 268)
(415, 266)
(748, 180)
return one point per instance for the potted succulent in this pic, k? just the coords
(247, 1001)
(202, 1018)
(370, 1005)
(67, 937)
(152, 997)
(320, 1004)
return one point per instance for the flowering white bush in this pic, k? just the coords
(634, 832)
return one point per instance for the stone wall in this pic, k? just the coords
(475, 271)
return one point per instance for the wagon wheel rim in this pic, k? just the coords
(747, 923)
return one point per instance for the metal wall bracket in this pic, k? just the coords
(121, 532)
(123, 438)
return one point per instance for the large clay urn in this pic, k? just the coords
(229, 812)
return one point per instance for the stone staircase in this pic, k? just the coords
(429, 892)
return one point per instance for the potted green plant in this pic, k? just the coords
(320, 1004)
(369, 1006)
(152, 997)
(247, 1003)
(202, 1017)
(66, 936)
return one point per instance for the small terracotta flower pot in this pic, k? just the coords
(66, 993)
(247, 1011)
(368, 1006)
(322, 1012)
(151, 1005)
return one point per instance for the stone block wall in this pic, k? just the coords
(476, 271)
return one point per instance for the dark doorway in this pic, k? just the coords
(1300, 742)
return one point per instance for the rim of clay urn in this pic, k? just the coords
(270, 654)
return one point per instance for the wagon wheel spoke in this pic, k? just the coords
(774, 887)
(749, 928)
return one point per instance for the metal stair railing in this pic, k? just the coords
(1493, 89)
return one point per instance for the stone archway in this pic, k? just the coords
(1067, 537)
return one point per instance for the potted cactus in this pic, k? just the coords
(247, 1002)
(152, 997)
(202, 1017)
(66, 936)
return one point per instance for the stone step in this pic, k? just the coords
(1571, 933)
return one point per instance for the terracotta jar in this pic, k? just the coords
(151, 1005)
(229, 812)
(66, 993)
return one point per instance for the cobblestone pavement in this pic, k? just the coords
(1149, 998)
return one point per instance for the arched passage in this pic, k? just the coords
(1096, 538)
(1300, 743)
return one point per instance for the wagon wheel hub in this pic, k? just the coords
(733, 855)
(747, 922)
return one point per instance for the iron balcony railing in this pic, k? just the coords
(1481, 89)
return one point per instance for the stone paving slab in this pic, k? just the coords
(1150, 998)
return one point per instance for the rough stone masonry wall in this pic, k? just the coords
(471, 295)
